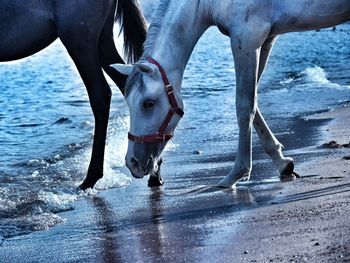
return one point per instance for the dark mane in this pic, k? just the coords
(133, 24)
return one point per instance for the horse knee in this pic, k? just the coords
(245, 115)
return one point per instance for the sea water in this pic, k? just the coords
(46, 124)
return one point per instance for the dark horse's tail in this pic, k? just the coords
(133, 24)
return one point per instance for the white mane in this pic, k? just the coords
(156, 24)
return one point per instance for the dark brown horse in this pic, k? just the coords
(85, 27)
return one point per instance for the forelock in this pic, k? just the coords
(133, 78)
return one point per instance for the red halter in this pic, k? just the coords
(161, 136)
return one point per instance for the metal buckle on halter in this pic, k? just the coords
(169, 89)
(141, 139)
(161, 136)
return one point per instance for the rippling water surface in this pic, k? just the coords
(46, 124)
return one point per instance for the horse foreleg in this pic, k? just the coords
(246, 65)
(270, 144)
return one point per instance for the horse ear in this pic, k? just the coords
(124, 69)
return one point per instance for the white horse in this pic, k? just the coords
(252, 26)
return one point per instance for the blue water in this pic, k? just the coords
(46, 124)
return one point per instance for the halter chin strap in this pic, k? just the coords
(161, 136)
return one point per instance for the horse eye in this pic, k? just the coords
(148, 104)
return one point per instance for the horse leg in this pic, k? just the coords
(270, 144)
(246, 56)
(85, 56)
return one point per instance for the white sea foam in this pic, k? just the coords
(115, 174)
(315, 74)
(112, 179)
(286, 81)
(43, 221)
(310, 77)
(57, 202)
(171, 146)
(5, 203)
(24, 225)
(37, 163)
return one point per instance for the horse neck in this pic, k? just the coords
(181, 29)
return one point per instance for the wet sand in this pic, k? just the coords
(189, 220)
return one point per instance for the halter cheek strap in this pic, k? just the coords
(160, 136)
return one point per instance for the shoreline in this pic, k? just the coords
(259, 221)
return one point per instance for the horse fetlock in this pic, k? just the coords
(89, 182)
(94, 174)
(155, 178)
(232, 178)
(273, 149)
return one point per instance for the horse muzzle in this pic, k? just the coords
(141, 168)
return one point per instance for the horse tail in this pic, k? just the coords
(133, 24)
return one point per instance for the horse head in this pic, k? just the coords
(155, 110)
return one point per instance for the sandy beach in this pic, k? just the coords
(259, 221)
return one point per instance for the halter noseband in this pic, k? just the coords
(160, 135)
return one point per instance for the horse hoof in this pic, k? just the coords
(288, 170)
(288, 173)
(87, 183)
(84, 186)
(155, 180)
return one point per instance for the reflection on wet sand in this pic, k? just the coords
(151, 241)
(156, 225)
(240, 195)
(173, 219)
(105, 219)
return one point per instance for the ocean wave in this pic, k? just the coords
(24, 225)
(36, 211)
(57, 202)
(315, 74)
(50, 185)
(309, 78)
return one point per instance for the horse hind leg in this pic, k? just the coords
(285, 165)
(270, 144)
(84, 53)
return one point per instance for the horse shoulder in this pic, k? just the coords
(246, 21)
